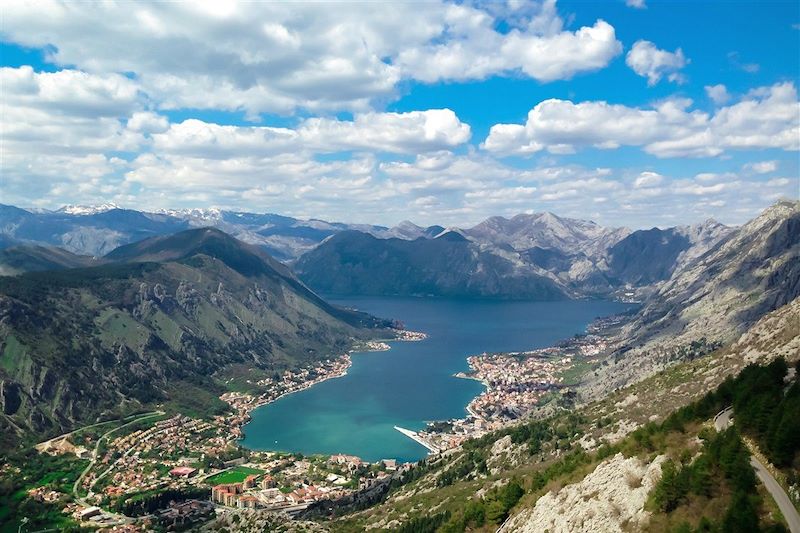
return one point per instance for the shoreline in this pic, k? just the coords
(245, 404)
(560, 357)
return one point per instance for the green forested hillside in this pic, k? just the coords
(79, 343)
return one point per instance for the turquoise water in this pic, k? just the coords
(413, 382)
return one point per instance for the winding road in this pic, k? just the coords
(721, 422)
(95, 454)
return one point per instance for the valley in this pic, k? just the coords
(506, 266)
(235, 358)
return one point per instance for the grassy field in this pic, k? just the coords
(234, 475)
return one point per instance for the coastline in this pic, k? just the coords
(245, 404)
(515, 382)
(487, 388)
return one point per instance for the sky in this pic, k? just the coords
(630, 113)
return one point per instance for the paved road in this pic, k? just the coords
(721, 422)
(779, 495)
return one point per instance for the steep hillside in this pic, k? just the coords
(20, 259)
(646, 257)
(449, 265)
(155, 326)
(713, 299)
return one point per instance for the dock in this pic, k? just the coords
(413, 435)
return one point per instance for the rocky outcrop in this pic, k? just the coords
(609, 499)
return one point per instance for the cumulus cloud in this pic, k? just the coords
(148, 122)
(61, 126)
(765, 118)
(478, 51)
(412, 132)
(638, 4)
(273, 57)
(761, 167)
(647, 179)
(648, 61)
(718, 93)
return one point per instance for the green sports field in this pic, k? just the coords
(233, 475)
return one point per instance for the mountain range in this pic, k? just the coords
(96, 230)
(540, 256)
(527, 256)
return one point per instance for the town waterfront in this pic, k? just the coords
(414, 381)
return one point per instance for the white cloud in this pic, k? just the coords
(148, 122)
(647, 179)
(761, 167)
(415, 131)
(59, 127)
(273, 57)
(478, 51)
(780, 182)
(766, 118)
(718, 94)
(412, 132)
(652, 63)
(638, 4)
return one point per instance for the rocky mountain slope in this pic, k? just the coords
(646, 257)
(448, 265)
(549, 231)
(580, 258)
(612, 495)
(152, 325)
(710, 301)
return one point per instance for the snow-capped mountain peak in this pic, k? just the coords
(87, 209)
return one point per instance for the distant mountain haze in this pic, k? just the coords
(528, 256)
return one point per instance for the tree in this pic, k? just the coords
(496, 511)
(741, 516)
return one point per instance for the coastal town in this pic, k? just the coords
(517, 383)
(169, 472)
(172, 471)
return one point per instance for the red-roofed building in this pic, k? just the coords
(247, 502)
(183, 471)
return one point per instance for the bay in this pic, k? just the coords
(413, 382)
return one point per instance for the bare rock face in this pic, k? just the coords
(711, 301)
(609, 499)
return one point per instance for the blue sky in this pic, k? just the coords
(660, 113)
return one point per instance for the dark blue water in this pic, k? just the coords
(413, 382)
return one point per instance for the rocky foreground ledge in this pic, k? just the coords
(611, 498)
